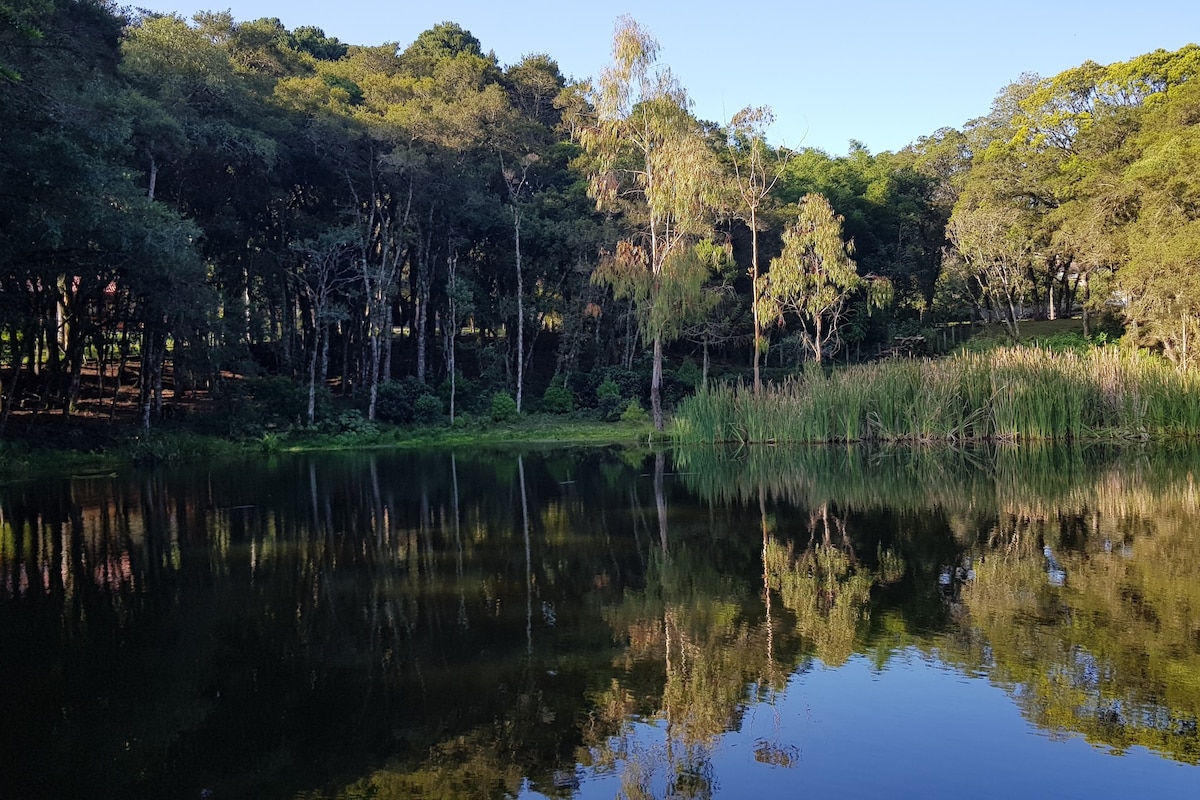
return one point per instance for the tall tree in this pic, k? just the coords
(815, 277)
(755, 173)
(650, 161)
(1161, 279)
(995, 255)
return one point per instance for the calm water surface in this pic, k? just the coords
(594, 623)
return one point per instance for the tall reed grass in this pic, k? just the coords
(1015, 394)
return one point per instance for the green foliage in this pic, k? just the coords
(312, 40)
(815, 278)
(634, 412)
(170, 448)
(689, 373)
(557, 399)
(616, 390)
(608, 389)
(350, 423)
(469, 396)
(279, 399)
(504, 407)
(202, 162)
(609, 402)
(428, 410)
(1018, 394)
(397, 401)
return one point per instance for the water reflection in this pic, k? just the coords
(580, 623)
(1071, 580)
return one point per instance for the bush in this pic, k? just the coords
(163, 448)
(469, 396)
(609, 403)
(504, 408)
(634, 412)
(608, 388)
(557, 399)
(678, 385)
(631, 382)
(352, 422)
(278, 398)
(427, 410)
(689, 373)
(396, 401)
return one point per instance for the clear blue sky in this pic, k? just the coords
(884, 73)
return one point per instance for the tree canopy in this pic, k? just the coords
(190, 202)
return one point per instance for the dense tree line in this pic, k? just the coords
(183, 201)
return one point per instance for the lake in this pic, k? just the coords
(601, 623)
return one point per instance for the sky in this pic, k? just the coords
(882, 73)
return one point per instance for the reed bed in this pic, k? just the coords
(1014, 394)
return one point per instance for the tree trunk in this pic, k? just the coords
(153, 178)
(754, 303)
(450, 327)
(146, 395)
(388, 326)
(312, 375)
(520, 308)
(373, 375)
(656, 383)
(10, 399)
(121, 363)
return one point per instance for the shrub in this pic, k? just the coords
(689, 373)
(634, 412)
(278, 398)
(608, 388)
(351, 421)
(469, 396)
(427, 410)
(504, 408)
(557, 399)
(630, 382)
(608, 400)
(396, 401)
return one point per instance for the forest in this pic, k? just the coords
(228, 209)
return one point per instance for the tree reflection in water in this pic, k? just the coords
(487, 624)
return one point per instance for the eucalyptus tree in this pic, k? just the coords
(756, 171)
(815, 277)
(650, 162)
(891, 212)
(515, 183)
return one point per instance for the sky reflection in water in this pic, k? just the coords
(915, 728)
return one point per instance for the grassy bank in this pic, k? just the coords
(55, 455)
(1019, 394)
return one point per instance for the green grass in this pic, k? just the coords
(22, 461)
(1007, 394)
(532, 429)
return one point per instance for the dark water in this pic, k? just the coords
(595, 623)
